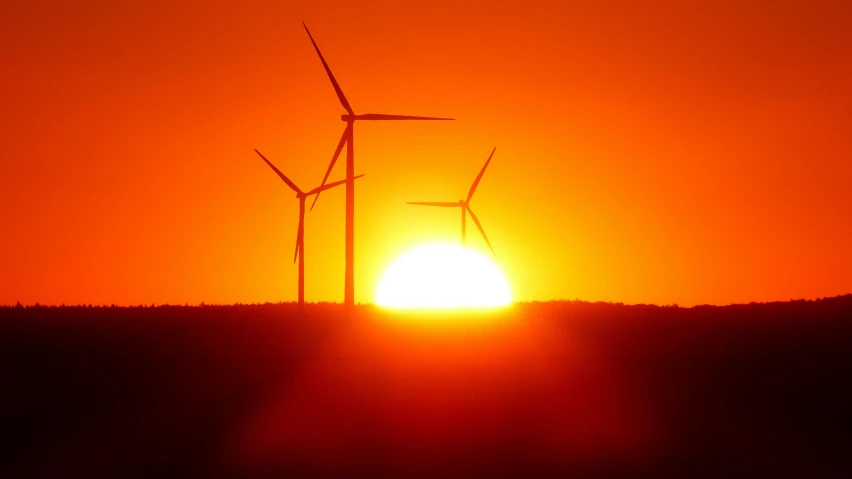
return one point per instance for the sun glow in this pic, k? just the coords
(442, 276)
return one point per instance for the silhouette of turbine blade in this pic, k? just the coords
(296, 253)
(329, 186)
(479, 176)
(283, 177)
(433, 203)
(337, 151)
(330, 75)
(484, 236)
(379, 116)
(299, 233)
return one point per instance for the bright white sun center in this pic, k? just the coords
(442, 276)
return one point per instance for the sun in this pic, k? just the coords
(442, 276)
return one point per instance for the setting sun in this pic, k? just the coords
(442, 276)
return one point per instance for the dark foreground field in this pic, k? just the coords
(552, 389)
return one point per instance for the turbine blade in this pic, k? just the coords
(479, 176)
(328, 186)
(330, 75)
(286, 180)
(296, 253)
(379, 116)
(484, 236)
(299, 237)
(333, 161)
(433, 203)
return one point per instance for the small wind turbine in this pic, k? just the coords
(348, 139)
(300, 234)
(465, 206)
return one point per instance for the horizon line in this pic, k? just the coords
(203, 304)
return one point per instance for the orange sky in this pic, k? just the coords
(665, 153)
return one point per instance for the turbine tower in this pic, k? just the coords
(465, 206)
(300, 233)
(347, 139)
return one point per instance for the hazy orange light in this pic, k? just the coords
(680, 152)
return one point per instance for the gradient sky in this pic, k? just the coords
(661, 152)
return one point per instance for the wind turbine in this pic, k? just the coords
(347, 139)
(300, 234)
(465, 206)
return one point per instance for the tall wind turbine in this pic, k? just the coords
(300, 234)
(348, 138)
(465, 205)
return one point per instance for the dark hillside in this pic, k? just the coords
(586, 389)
